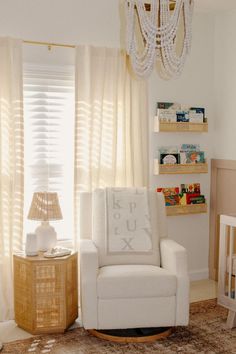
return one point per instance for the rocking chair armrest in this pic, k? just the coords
(174, 257)
(88, 258)
(88, 283)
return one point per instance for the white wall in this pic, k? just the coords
(64, 21)
(194, 87)
(225, 86)
(98, 23)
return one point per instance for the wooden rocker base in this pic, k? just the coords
(132, 335)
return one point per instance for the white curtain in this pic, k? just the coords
(111, 122)
(11, 167)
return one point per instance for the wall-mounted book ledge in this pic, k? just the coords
(160, 169)
(186, 209)
(179, 127)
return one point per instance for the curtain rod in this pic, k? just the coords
(49, 45)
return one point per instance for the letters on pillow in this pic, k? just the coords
(128, 221)
(135, 238)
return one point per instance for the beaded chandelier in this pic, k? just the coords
(156, 26)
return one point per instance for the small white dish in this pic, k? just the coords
(57, 252)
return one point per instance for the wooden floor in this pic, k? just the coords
(199, 290)
(203, 290)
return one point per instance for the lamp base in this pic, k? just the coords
(46, 236)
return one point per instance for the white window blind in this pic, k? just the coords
(49, 139)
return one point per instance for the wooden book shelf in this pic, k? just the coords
(179, 168)
(176, 127)
(186, 209)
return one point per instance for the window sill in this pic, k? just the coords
(65, 243)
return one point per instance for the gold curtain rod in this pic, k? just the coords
(49, 45)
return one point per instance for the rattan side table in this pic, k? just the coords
(45, 292)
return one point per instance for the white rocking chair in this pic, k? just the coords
(139, 292)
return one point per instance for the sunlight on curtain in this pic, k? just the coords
(111, 122)
(11, 167)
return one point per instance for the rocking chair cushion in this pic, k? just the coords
(135, 281)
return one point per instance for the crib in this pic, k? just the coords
(227, 267)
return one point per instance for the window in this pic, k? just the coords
(49, 140)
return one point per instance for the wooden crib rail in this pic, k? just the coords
(227, 267)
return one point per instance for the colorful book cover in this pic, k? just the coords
(173, 149)
(195, 117)
(198, 110)
(190, 147)
(192, 157)
(169, 191)
(197, 199)
(182, 199)
(168, 105)
(190, 197)
(166, 115)
(182, 116)
(172, 200)
(190, 188)
(169, 159)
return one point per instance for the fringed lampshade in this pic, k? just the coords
(44, 207)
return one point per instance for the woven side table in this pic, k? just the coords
(45, 293)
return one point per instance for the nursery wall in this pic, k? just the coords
(193, 88)
(98, 23)
(225, 86)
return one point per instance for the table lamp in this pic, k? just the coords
(44, 207)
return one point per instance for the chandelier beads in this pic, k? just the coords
(159, 29)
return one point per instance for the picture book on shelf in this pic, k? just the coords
(190, 188)
(172, 149)
(185, 195)
(175, 112)
(171, 195)
(170, 159)
(166, 115)
(192, 157)
(189, 147)
(198, 110)
(186, 154)
(182, 116)
(172, 200)
(169, 105)
(195, 199)
(169, 191)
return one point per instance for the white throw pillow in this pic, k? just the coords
(145, 251)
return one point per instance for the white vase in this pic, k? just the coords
(46, 236)
(31, 247)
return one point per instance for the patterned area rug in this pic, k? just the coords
(205, 334)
